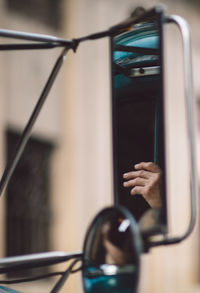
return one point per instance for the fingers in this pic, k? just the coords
(137, 190)
(149, 166)
(145, 180)
(137, 185)
(135, 174)
(143, 170)
(135, 182)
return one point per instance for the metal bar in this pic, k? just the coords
(29, 46)
(64, 277)
(144, 71)
(185, 33)
(27, 130)
(135, 49)
(35, 260)
(34, 37)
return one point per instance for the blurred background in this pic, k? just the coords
(65, 174)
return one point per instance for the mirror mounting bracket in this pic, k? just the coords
(185, 33)
(44, 41)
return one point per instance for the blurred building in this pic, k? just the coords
(65, 175)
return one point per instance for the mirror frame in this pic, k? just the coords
(135, 233)
(158, 12)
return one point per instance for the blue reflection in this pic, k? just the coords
(104, 284)
(7, 290)
(104, 280)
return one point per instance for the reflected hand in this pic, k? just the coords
(145, 180)
(115, 255)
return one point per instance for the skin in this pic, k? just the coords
(145, 180)
(115, 255)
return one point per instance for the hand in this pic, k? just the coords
(145, 180)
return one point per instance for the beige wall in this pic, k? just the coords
(23, 75)
(26, 73)
(82, 164)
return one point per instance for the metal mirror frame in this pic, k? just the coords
(135, 234)
(158, 13)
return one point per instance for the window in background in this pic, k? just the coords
(46, 11)
(28, 211)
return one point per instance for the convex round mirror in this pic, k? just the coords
(112, 251)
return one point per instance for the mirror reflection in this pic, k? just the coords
(138, 121)
(111, 253)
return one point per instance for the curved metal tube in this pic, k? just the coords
(185, 33)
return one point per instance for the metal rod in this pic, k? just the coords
(64, 277)
(27, 130)
(185, 32)
(34, 37)
(16, 263)
(29, 46)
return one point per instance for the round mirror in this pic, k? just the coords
(112, 251)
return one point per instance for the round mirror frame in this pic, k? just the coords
(137, 249)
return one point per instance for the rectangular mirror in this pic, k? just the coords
(138, 120)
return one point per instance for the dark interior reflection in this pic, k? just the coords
(110, 259)
(138, 132)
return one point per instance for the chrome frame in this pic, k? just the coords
(189, 103)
